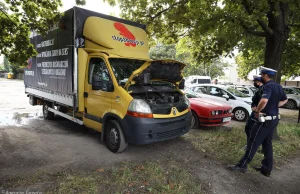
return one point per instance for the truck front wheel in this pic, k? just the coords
(47, 114)
(115, 138)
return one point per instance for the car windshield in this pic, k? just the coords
(123, 68)
(236, 92)
(254, 89)
(190, 94)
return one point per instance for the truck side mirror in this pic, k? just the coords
(110, 86)
(96, 82)
(181, 84)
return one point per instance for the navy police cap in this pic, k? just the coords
(257, 78)
(269, 71)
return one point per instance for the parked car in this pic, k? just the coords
(206, 112)
(293, 95)
(240, 102)
(246, 89)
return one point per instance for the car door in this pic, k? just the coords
(216, 93)
(98, 93)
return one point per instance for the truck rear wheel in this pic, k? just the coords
(47, 114)
(115, 138)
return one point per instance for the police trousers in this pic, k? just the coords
(249, 125)
(260, 134)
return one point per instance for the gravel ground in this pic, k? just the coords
(28, 144)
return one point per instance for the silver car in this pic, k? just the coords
(293, 95)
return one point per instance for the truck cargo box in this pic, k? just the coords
(52, 74)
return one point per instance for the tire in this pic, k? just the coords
(47, 114)
(195, 121)
(240, 114)
(291, 104)
(115, 138)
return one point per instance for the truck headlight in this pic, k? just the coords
(139, 108)
(186, 101)
(213, 112)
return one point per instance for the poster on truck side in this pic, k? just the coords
(52, 68)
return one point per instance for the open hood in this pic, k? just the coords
(158, 70)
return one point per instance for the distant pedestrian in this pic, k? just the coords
(215, 81)
(267, 118)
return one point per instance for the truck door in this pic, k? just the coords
(98, 93)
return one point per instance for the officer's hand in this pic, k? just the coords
(256, 114)
(253, 109)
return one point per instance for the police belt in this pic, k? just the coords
(263, 118)
(269, 118)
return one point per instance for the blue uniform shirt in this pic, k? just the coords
(274, 93)
(257, 96)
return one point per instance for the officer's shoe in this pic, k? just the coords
(257, 168)
(237, 168)
(263, 172)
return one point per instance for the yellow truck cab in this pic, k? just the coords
(95, 70)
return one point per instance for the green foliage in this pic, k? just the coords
(181, 52)
(128, 177)
(228, 145)
(80, 2)
(163, 52)
(216, 28)
(6, 64)
(19, 17)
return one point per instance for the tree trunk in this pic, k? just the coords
(275, 44)
(276, 41)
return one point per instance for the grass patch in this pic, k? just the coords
(146, 177)
(228, 145)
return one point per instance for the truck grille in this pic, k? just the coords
(170, 134)
(167, 110)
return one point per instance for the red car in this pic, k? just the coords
(207, 112)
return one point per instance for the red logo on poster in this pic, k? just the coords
(130, 38)
(29, 61)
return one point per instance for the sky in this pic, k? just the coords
(94, 5)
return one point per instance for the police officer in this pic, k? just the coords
(257, 82)
(262, 132)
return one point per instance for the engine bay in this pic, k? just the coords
(161, 100)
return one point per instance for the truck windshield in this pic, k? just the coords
(123, 68)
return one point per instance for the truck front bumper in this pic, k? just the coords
(151, 130)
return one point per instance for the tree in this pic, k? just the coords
(181, 52)
(217, 27)
(17, 18)
(6, 64)
(161, 51)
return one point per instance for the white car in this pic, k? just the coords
(293, 95)
(240, 102)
